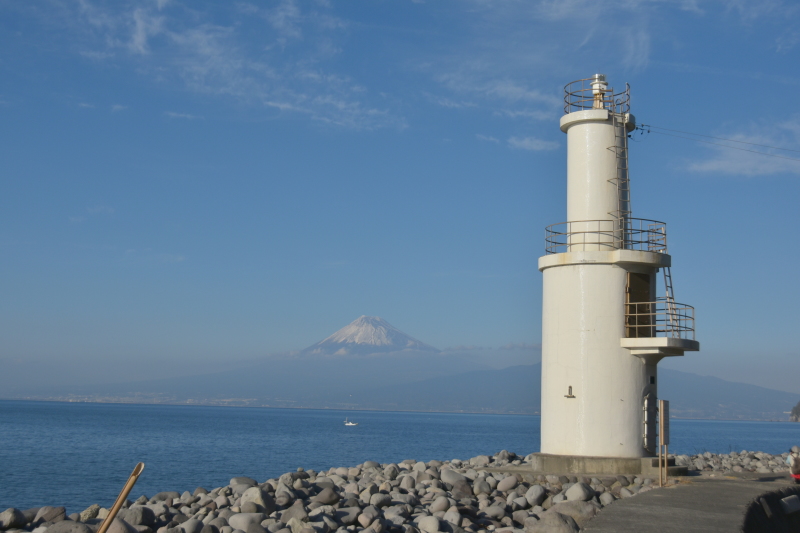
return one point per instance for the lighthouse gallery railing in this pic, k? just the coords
(661, 318)
(593, 235)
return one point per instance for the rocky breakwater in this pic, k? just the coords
(744, 461)
(408, 497)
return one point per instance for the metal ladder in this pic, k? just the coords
(657, 242)
(621, 181)
(672, 318)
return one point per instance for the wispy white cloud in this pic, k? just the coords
(486, 138)
(447, 102)
(528, 114)
(84, 104)
(637, 48)
(787, 40)
(187, 116)
(144, 26)
(118, 107)
(283, 69)
(738, 162)
(532, 143)
(517, 47)
(286, 19)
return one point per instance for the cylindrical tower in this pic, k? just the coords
(603, 328)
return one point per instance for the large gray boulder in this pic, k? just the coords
(453, 516)
(68, 526)
(138, 515)
(239, 489)
(391, 471)
(193, 525)
(407, 482)
(370, 513)
(50, 514)
(481, 487)
(507, 484)
(166, 495)
(296, 526)
(380, 500)
(243, 480)
(428, 524)
(297, 510)
(396, 510)
(481, 460)
(255, 528)
(218, 522)
(461, 489)
(580, 492)
(451, 476)
(494, 511)
(260, 497)
(551, 523)
(30, 514)
(121, 526)
(439, 504)
(12, 518)
(326, 497)
(368, 491)
(242, 520)
(347, 516)
(89, 513)
(579, 511)
(536, 495)
(607, 498)
(409, 499)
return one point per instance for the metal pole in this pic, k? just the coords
(660, 442)
(121, 498)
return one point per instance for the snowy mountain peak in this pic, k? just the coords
(365, 335)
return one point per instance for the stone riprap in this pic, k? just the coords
(744, 461)
(407, 497)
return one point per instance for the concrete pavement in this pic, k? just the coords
(697, 503)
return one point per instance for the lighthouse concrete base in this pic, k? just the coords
(578, 464)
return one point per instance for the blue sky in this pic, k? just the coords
(195, 183)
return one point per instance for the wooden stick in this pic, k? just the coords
(121, 498)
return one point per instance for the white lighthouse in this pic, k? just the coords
(605, 326)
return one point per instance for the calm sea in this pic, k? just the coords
(76, 454)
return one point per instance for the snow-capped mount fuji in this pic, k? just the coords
(367, 335)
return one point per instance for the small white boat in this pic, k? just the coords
(348, 423)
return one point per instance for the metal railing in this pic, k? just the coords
(662, 318)
(594, 235)
(580, 95)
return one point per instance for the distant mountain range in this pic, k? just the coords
(369, 364)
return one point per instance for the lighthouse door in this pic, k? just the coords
(639, 317)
